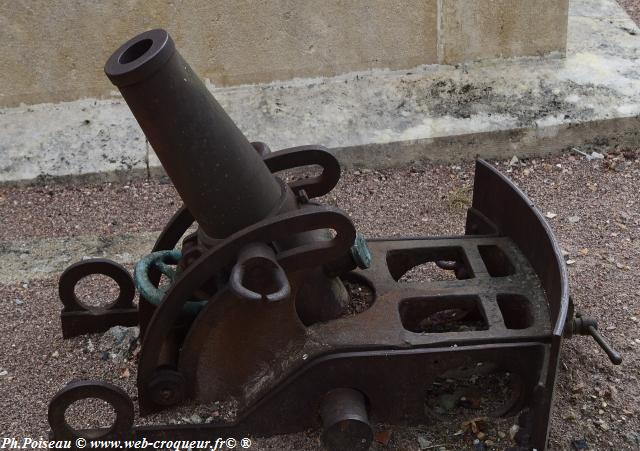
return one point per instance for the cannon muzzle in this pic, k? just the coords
(219, 175)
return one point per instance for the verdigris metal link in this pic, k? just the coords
(162, 261)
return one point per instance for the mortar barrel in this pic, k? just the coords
(219, 175)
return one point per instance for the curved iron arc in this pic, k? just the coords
(300, 156)
(268, 230)
(175, 228)
(514, 215)
(79, 270)
(85, 389)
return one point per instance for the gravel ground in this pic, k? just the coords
(597, 222)
(595, 400)
(632, 7)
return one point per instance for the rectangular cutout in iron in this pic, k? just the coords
(443, 314)
(496, 261)
(428, 264)
(516, 311)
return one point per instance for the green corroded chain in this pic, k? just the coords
(162, 261)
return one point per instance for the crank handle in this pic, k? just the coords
(584, 325)
(614, 355)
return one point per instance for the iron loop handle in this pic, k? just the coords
(257, 275)
(79, 270)
(83, 389)
(296, 157)
(447, 265)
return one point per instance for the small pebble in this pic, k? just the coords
(579, 444)
(423, 442)
(633, 438)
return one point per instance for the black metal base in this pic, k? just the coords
(505, 309)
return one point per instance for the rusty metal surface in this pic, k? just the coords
(78, 390)
(296, 157)
(78, 318)
(509, 211)
(269, 266)
(342, 353)
(513, 214)
(268, 230)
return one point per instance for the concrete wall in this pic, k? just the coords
(55, 51)
(478, 29)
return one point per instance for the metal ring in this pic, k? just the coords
(296, 157)
(259, 255)
(79, 390)
(160, 261)
(78, 271)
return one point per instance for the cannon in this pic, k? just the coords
(260, 308)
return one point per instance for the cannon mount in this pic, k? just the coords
(259, 309)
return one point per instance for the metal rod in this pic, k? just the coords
(613, 355)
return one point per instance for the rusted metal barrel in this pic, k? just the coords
(217, 172)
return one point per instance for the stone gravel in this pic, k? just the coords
(595, 213)
(632, 7)
(595, 401)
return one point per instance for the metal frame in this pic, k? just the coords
(265, 274)
(372, 352)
